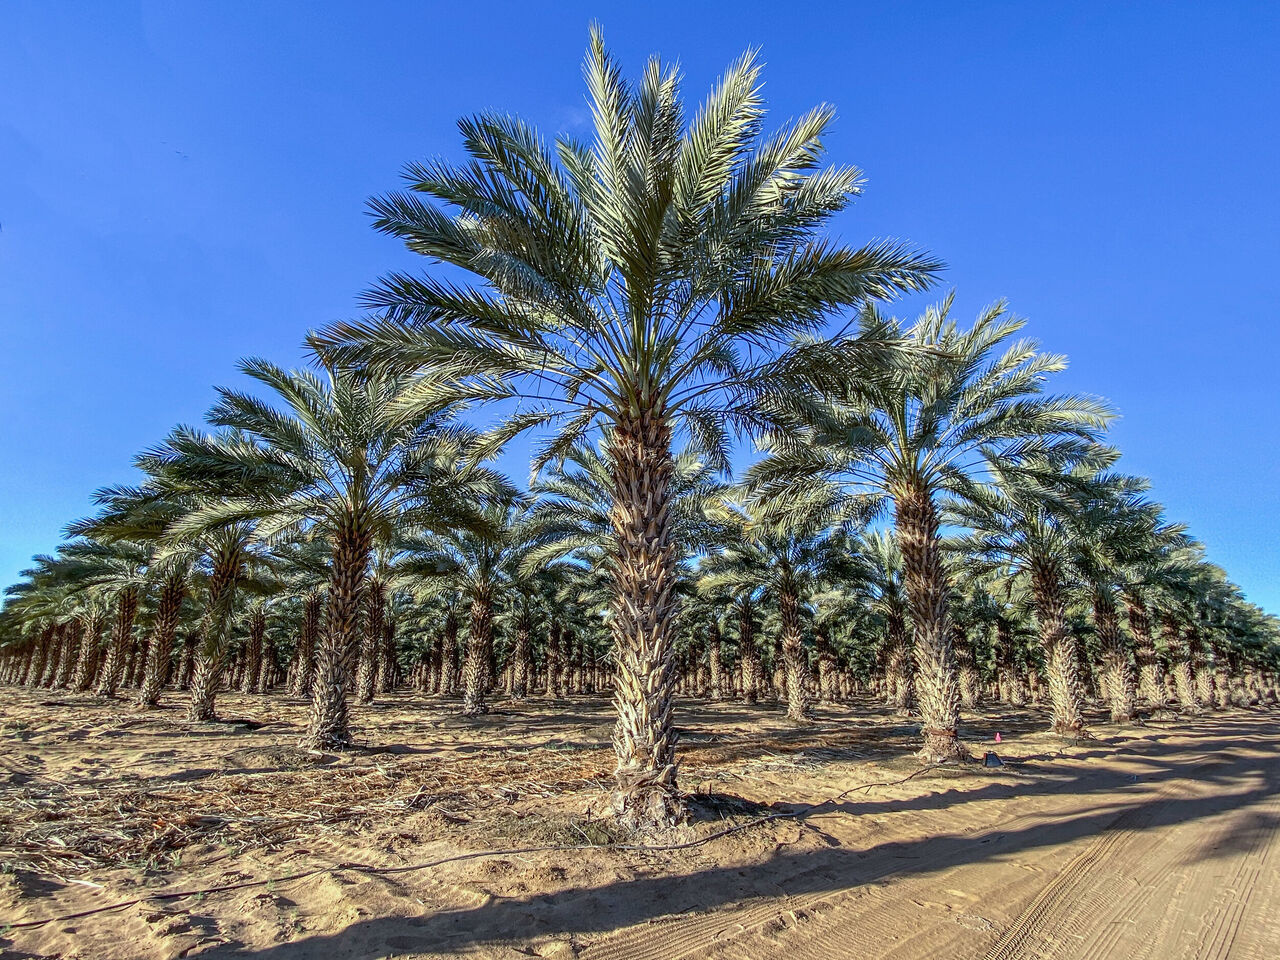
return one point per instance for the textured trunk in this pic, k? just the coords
(212, 652)
(1180, 660)
(925, 582)
(90, 650)
(187, 663)
(714, 662)
(748, 652)
(899, 689)
(252, 654)
(449, 663)
(166, 627)
(793, 655)
(375, 605)
(1221, 678)
(387, 664)
(553, 661)
(520, 665)
(1150, 682)
(644, 622)
(1115, 657)
(70, 652)
(479, 641)
(329, 725)
(53, 657)
(305, 656)
(263, 666)
(966, 668)
(1059, 649)
(121, 634)
(39, 656)
(828, 669)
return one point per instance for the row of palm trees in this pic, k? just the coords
(641, 303)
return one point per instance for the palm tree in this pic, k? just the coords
(791, 550)
(655, 281)
(141, 515)
(955, 399)
(485, 564)
(1031, 523)
(1131, 538)
(882, 573)
(118, 569)
(343, 459)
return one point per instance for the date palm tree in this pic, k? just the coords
(1030, 523)
(669, 276)
(340, 459)
(792, 551)
(954, 400)
(880, 561)
(486, 564)
(142, 515)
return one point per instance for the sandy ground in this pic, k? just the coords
(1157, 841)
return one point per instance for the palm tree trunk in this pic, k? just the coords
(899, 688)
(449, 662)
(330, 723)
(90, 649)
(714, 661)
(70, 652)
(58, 640)
(39, 654)
(925, 583)
(793, 656)
(553, 661)
(479, 640)
(520, 660)
(126, 611)
(216, 628)
(1150, 682)
(1115, 657)
(252, 652)
(966, 667)
(645, 614)
(375, 598)
(748, 652)
(828, 668)
(1180, 658)
(1059, 649)
(166, 627)
(387, 663)
(305, 657)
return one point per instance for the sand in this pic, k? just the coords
(1156, 840)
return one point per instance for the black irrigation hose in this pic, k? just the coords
(474, 855)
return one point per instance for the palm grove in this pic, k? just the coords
(924, 520)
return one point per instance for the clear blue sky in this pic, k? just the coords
(182, 184)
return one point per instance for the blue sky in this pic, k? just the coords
(183, 184)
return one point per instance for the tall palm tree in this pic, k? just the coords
(656, 281)
(341, 458)
(142, 515)
(119, 569)
(791, 551)
(1031, 522)
(486, 564)
(953, 401)
(881, 572)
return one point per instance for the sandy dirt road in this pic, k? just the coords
(1165, 850)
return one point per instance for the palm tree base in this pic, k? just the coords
(943, 746)
(646, 802)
